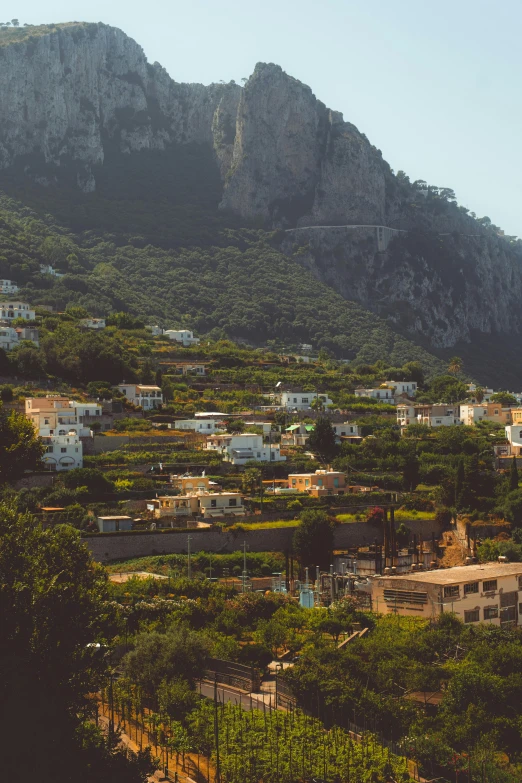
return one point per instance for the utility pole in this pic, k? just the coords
(189, 569)
(217, 779)
(244, 575)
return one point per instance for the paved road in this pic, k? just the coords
(230, 695)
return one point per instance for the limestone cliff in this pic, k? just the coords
(294, 160)
(67, 93)
(72, 93)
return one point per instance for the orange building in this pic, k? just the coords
(322, 482)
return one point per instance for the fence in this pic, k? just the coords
(237, 675)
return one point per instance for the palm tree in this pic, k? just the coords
(455, 365)
(479, 394)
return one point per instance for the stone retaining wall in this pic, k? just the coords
(106, 547)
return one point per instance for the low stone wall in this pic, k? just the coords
(106, 547)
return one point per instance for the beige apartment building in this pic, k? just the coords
(489, 411)
(490, 592)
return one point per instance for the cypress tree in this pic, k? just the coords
(513, 475)
(459, 482)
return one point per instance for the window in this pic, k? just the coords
(258, 454)
(490, 612)
(452, 591)
(319, 482)
(405, 597)
(472, 616)
(63, 450)
(304, 399)
(295, 399)
(471, 588)
(438, 421)
(213, 503)
(50, 449)
(46, 421)
(496, 411)
(520, 582)
(508, 615)
(509, 599)
(307, 482)
(489, 586)
(294, 483)
(232, 502)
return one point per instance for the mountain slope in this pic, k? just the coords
(242, 287)
(104, 142)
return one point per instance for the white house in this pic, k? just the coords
(48, 269)
(406, 415)
(17, 310)
(246, 447)
(8, 287)
(156, 331)
(11, 337)
(93, 323)
(514, 436)
(146, 397)
(204, 426)
(8, 338)
(62, 452)
(301, 401)
(439, 415)
(384, 394)
(183, 336)
(346, 430)
(409, 388)
(61, 424)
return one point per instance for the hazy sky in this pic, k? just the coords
(435, 85)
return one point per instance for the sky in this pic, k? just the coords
(434, 85)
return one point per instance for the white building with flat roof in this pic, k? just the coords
(146, 397)
(8, 287)
(488, 592)
(183, 336)
(301, 401)
(409, 388)
(381, 393)
(203, 426)
(17, 310)
(247, 447)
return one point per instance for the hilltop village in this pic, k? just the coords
(286, 508)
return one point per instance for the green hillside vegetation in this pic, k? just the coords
(151, 241)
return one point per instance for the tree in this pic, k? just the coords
(251, 480)
(314, 539)
(410, 472)
(178, 654)
(54, 618)
(459, 482)
(504, 398)
(513, 475)
(20, 447)
(28, 360)
(479, 394)
(322, 438)
(455, 365)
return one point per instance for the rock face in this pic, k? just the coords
(294, 160)
(444, 287)
(69, 94)
(65, 94)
